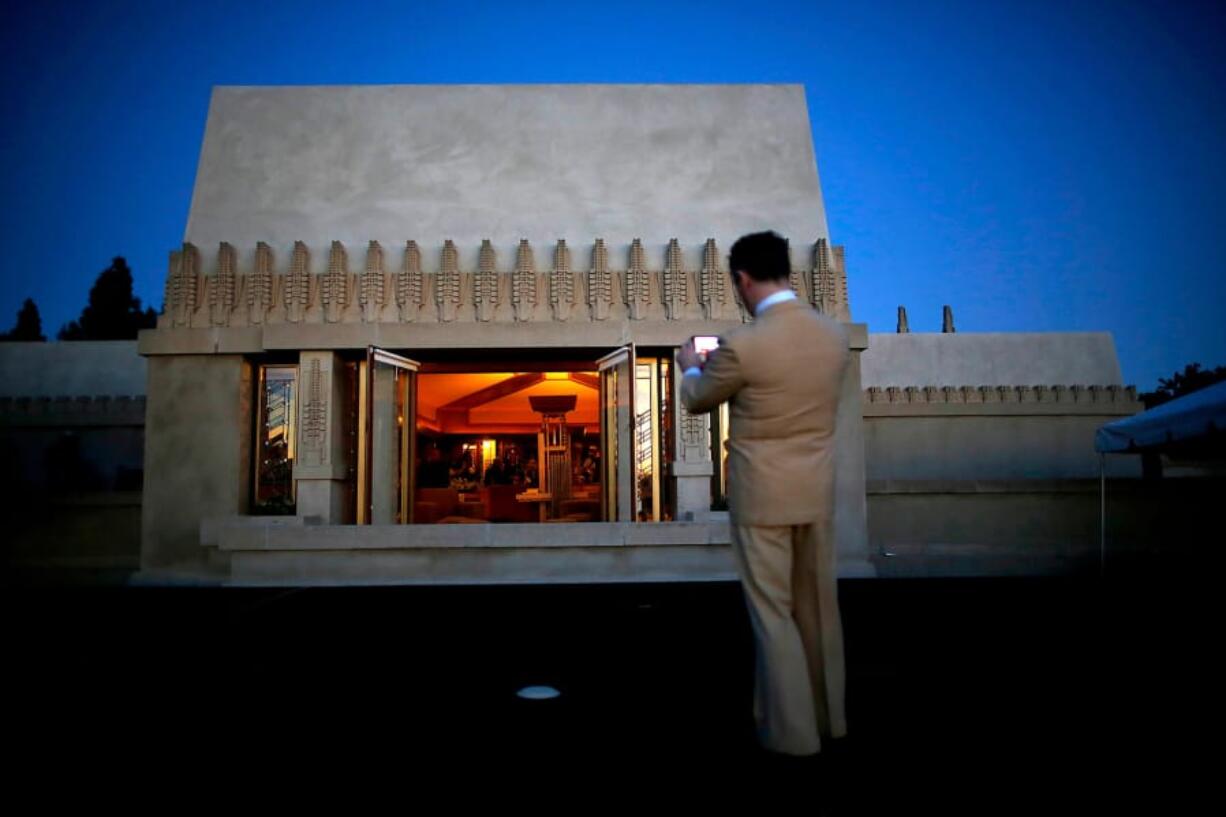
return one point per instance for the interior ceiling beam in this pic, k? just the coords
(589, 380)
(495, 391)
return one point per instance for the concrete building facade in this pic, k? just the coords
(377, 280)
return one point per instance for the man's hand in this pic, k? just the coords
(688, 357)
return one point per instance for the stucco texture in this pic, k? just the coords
(505, 162)
(197, 452)
(991, 359)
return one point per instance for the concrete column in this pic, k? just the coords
(693, 468)
(197, 456)
(321, 465)
(850, 501)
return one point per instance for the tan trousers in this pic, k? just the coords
(788, 575)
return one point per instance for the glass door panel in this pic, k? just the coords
(389, 416)
(617, 432)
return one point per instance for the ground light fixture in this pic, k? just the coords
(538, 693)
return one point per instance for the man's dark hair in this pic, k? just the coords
(762, 256)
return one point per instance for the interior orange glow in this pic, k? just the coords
(497, 402)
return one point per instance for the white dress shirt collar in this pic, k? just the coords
(763, 305)
(770, 300)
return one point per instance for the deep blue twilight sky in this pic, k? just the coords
(1040, 166)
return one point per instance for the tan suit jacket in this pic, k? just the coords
(782, 375)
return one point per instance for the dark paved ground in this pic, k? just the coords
(1097, 690)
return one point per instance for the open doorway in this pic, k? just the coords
(459, 441)
(508, 446)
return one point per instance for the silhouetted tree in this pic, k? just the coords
(113, 312)
(29, 324)
(1192, 378)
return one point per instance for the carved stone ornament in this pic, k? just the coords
(638, 282)
(259, 290)
(485, 283)
(183, 287)
(712, 283)
(409, 283)
(334, 288)
(843, 309)
(561, 282)
(523, 283)
(1068, 394)
(296, 295)
(447, 283)
(371, 293)
(674, 282)
(600, 282)
(695, 443)
(823, 294)
(315, 416)
(796, 281)
(298, 284)
(223, 286)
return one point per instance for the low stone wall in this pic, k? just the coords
(990, 479)
(89, 368)
(990, 358)
(91, 537)
(72, 470)
(1034, 527)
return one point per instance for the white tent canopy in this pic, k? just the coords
(1194, 415)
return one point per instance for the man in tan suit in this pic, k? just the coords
(782, 375)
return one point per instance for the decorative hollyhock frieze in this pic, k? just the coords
(410, 283)
(223, 286)
(334, 288)
(600, 282)
(183, 286)
(843, 304)
(712, 283)
(523, 283)
(371, 293)
(674, 282)
(447, 283)
(298, 284)
(485, 283)
(561, 282)
(823, 295)
(259, 289)
(299, 295)
(638, 282)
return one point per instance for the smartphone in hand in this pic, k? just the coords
(705, 344)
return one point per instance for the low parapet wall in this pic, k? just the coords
(64, 411)
(880, 401)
